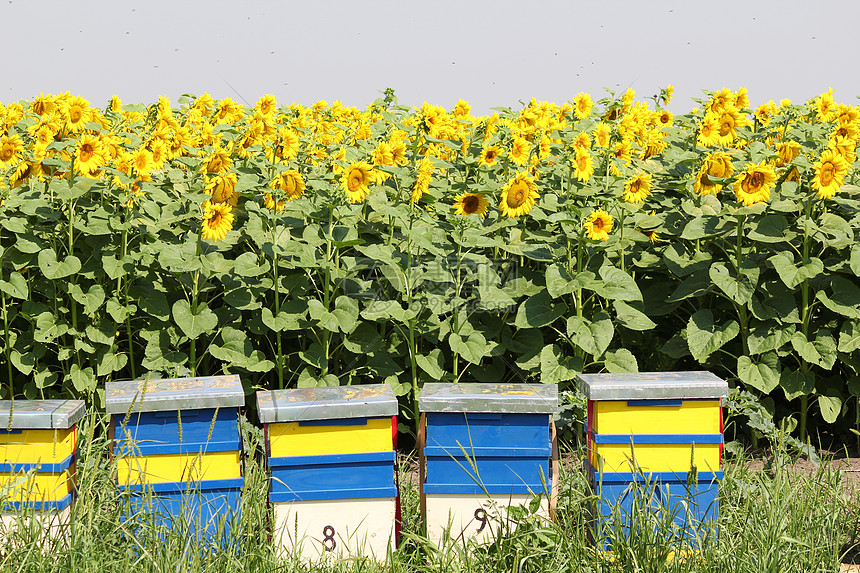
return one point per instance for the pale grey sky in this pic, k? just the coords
(489, 53)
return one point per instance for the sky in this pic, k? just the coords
(497, 53)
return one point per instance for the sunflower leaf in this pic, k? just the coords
(704, 337)
(194, 324)
(539, 310)
(593, 336)
(762, 375)
(54, 269)
(555, 367)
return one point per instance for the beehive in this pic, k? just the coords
(331, 454)
(484, 447)
(657, 435)
(179, 450)
(38, 449)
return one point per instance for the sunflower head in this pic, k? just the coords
(471, 204)
(291, 183)
(519, 196)
(222, 188)
(217, 220)
(754, 183)
(830, 172)
(598, 225)
(356, 181)
(637, 188)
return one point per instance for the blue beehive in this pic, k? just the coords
(484, 445)
(179, 451)
(654, 445)
(332, 460)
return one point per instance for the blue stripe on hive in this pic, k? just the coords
(656, 438)
(39, 467)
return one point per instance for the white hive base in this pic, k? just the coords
(50, 526)
(473, 516)
(336, 528)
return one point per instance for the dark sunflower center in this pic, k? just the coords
(470, 204)
(597, 224)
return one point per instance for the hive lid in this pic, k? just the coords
(40, 414)
(498, 398)
(326, 403)
(156, 395)
(652, 385)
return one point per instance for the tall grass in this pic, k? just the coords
(775, 520)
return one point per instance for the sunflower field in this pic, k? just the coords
(328, 245)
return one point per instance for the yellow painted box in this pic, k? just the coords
(179, 467)
(641, 454)
(38, 447)
(655, 417)
(27, 446)
(317, 438)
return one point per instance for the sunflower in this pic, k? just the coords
(787, 151)
(218, 161)
(764, 112)
(519, 196)
(582, 105)
(845, 147)
(728, 123)
(663, 118)
(471, 204)
(89, 155)
(23, 172)
(291, 183)
(271, 204)
(637, 188)
(11, 147)
(266, 105)
(383, 155)
(667, 94)
(753, 184)
(825, 106)
(222, 188)
(520, 149)
(217, 220)
(490, 154)
(830, 171)
(601, 135)
(141, 161)
(77, 113)
(583, 165)
(398, 151)
(598, 225)
(422, 181)
(582, 141)
(742, 99)
(709, 131)
(721, 100)
(357, 180)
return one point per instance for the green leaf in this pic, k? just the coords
(236, 349)
(472, 347)
(796, 384)
(54, 269)
(346, 313)
(23, 362)
(849, 336)
(48, 328)
(318, 313)
(92, 299)
(591, 336)
(539, 310)
(770, 229)
(739, 288)
(284, 321)
(854, 261)
(111, 362)
(555, 367)
(115, 268)
(821, 350)
(844, 300)
(194, 324)
(315, 356)
(830, 405)
(620, 360)
(695, 285)
(631, 317)
(16, 286)
(432, 364)
(558, 281)
(82, 378)
(704, 337)
(247, 266)
(701, 227)
(762, 374)
(792, 275)
(769, 336)
(617, 285)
